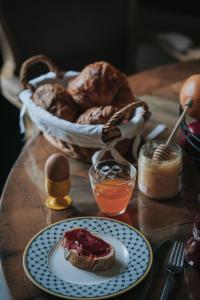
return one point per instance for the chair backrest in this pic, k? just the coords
(72, 32)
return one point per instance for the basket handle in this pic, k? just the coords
(110, 131)
(32, 61)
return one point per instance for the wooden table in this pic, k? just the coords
(23, 212)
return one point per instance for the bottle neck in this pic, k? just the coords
(196, 233)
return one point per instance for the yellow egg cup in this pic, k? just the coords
(58, 194)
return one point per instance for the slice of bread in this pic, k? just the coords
(78, 246)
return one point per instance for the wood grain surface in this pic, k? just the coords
(23, 212)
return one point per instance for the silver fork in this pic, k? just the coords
(175, 265)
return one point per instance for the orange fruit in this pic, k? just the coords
(191, 90)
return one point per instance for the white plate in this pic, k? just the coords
(46, 267)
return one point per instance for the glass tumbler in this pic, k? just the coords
(112, 184)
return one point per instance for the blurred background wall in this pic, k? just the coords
(134, 35)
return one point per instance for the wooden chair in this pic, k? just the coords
(72, 32)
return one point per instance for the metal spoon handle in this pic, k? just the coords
(187, 106)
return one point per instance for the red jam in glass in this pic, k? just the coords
(192, 246)
(85, 243)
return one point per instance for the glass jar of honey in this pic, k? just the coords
(159, 179)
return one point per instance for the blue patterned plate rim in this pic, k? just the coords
(122, 291)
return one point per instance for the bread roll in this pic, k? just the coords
(97, 115)
(96, 85)
(55, 99)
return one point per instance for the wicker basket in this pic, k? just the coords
(110, 131)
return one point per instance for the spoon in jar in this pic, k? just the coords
(163, 151)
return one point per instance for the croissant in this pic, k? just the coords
(97, 115)
(96, 85)
(55, 99)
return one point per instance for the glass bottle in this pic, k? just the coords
(192, 245)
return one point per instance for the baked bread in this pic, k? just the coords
(96, 85)
(55, 99)
(87, 251)
(97, 115)
(124, 95)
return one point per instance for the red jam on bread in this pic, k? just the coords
(87, 251)
(86, 243)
